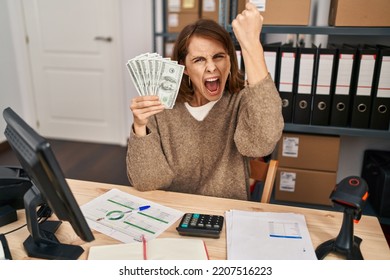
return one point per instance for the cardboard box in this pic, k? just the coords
(359, 13)
(304, 186)
(283, 12)
(210, 10)
(312, 152)
(183, 6)
(177, 21)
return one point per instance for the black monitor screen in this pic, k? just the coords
(49, 187)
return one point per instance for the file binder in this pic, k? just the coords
(323, 86)
(380, 114)
(339, 115)
(271, 55)
(287, 80)
(304, 92)
(361, 105)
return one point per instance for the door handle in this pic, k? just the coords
(101, 38)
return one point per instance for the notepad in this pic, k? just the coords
(156, 249)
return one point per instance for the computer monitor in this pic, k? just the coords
(49, 187)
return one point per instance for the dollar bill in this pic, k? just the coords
(169, 83)
(154, 75)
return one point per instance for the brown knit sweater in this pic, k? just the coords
(208, 157)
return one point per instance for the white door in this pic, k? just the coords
(74, 48)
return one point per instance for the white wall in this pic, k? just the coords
(137, 38)
(9, 80)
(136, 18)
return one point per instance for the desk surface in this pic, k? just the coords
(322, 225)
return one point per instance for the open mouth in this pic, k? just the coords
(212, 85)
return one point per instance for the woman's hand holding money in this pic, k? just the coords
(143, 107)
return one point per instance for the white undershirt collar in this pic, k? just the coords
(199, 113)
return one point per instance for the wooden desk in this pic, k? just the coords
(322, 225)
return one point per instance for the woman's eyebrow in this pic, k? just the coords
(196, 57)
(220, 53)
(201, 56)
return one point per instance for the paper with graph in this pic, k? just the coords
(124, 217)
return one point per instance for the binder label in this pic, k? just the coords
(290, 147)
(384, 81)
(287, 72)
(344, 74)
(324, 74)
(306, 73)
(270, 61)
(366, 75)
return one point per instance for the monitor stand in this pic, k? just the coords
(42, 242)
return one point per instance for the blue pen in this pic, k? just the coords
(142, 208)
(116, 215)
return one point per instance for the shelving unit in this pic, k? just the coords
(334, 130)
(312, 30)
(327, 30)
(339, 31)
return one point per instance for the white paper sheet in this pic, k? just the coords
(107, 214)
(267, 236)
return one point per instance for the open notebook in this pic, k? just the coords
(155, 249)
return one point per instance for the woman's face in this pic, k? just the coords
(208, 66)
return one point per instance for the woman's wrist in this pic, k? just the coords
(255, 65)
(139, 130)
(252, 45)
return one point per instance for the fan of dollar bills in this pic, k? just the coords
(154, 75)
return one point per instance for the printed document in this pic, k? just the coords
(122, 216)
(267, 236)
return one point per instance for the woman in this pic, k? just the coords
(203, 145)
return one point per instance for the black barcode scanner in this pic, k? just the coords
(351, 193)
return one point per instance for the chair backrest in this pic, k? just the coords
(264, 172)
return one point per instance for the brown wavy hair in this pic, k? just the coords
(212, 30)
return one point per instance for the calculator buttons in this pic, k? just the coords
(201, 225)
(186, 220)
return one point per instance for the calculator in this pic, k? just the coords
(202, 225)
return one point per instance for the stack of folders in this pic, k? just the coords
(339, 85)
